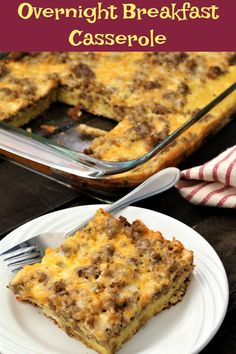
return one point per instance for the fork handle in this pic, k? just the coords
(158, 183)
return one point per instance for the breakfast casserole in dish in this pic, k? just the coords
(148, 95)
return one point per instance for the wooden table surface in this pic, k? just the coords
(25, 195)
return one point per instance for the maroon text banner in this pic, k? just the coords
(79, 25)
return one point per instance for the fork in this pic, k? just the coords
(32, 250)
(18, 142)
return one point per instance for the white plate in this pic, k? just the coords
(183, 329)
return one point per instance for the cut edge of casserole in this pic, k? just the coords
(104, 283)
(33, 109)
(173, 296)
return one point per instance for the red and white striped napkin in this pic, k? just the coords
(213, 183)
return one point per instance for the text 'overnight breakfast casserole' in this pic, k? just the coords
(102, 284)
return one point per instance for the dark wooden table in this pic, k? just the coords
(25, 195)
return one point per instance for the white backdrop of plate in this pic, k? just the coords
(183, 329)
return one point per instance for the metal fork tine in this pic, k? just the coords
(20, 251)
(15, 248)
(25, 261)
(32, 255)
(16, 270)
(30, 251)
(30, 262)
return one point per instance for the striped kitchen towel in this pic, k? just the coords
(213, 183)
